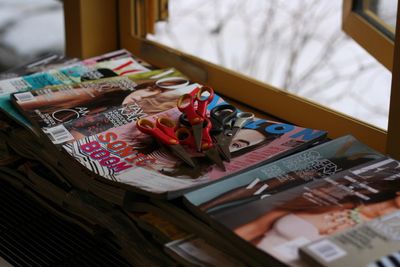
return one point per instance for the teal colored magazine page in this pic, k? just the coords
(12, 112)
(35, 81)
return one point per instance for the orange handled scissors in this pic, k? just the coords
(164, 130)
(207, 145)
(195, 108)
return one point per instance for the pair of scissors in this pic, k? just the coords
(166, 132)
(227, 122)
(207, 145)
(221, 117)
(195, 108)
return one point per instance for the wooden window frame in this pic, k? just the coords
(378, 44)
(259, 96)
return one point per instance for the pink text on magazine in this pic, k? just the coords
(115, 154)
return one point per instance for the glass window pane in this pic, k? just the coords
(28, 29)
(381, 14)
(295, 45)
(385, 10)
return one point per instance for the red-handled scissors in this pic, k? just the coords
(207, 145)
(165, 132)
(195, 108)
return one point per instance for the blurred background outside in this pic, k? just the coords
(295, 45)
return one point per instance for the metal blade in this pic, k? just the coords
(179, 151)
(233, 133)
(230, 135)
(223, 143)
(213, 155)
(198, 134)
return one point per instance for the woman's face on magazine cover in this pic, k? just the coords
(245, 138)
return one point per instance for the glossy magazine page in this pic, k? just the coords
(122, 53)
(68, 113)
(280, 224)
(126, 155)
(41, 64)
(71, 74)
(314, 163)
(376, 243)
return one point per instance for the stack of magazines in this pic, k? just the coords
(288, 196)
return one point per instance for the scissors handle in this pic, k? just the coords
(207, 141)
(167, 126)
(242, 118)
(148, 127)
(204, 96)
(185, 137)
(221, 116)
(194, 92)
(186, 105)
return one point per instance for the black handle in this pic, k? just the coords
(221, 116)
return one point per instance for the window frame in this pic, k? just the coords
(259, 96)
(367, 34)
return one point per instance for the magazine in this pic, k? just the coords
(100, 117)
(205, 240)
(194, 251)
(272, 207)
(41, 64)
(67, 113)
(135, 159)
(89, 211)
(315, 163)
(76, 73)
(376, 243)
(122, 53)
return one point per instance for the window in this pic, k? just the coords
(296, 46)
(128, 25)
(371, 24)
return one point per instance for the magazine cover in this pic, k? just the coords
(68, 113)
(280, 224)
(376, 243)
(67, 75)
(41, 79)
(116, 67)
(41, 64)
(122, 53)
(135, 159)
(74, 73)
(317, 162)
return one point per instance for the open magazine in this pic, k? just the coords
(95, 123)
(270, 211)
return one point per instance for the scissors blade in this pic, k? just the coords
(223, 143)
(231, 134)
(179, 151)
(198, 135)
(213, 155)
